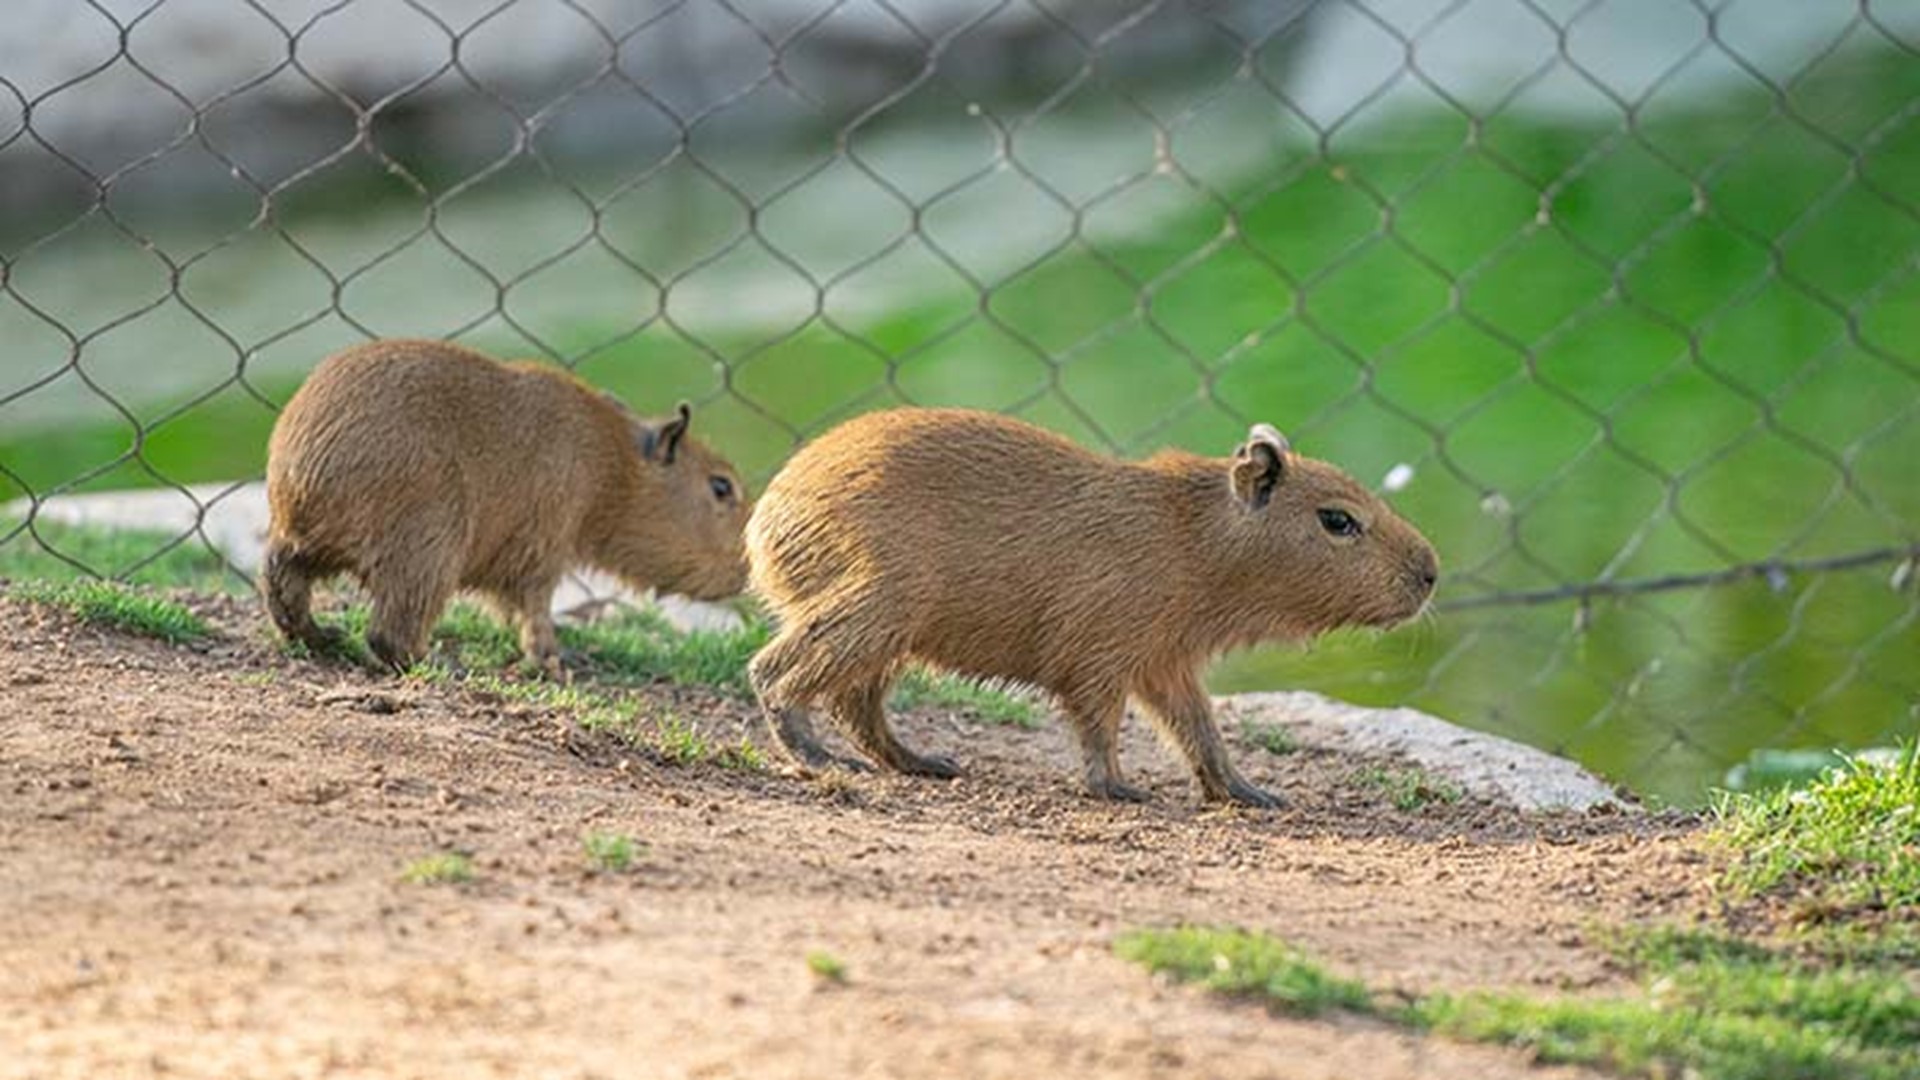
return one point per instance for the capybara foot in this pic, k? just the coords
(1239, 791)
(938, 766)
(1117, 791)
(392, 657)
(793, 734)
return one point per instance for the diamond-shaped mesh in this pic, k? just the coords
(1631, 290)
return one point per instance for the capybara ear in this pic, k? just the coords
(662, 442)
(1258, 465)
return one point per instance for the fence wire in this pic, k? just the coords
(1619, 299)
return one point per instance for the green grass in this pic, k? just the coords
(115, 606)
(826, 967)
(1840, 853)
(591, 709)
(640, 646)
(442, 868)
(1272, 738)
(1711, 1008)
(611, 853)
(1243, 965)
(681, 742)
(919, 688)
(1705, 1007)
(135, 556)
(1409, 788)
(1839, 857)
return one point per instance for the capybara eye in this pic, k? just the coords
(1339, 522)
(722, 487)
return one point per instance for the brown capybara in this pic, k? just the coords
(423, 468)
(988, 547)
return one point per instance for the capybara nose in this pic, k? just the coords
(1426, 571)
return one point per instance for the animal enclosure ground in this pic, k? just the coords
(217, 860)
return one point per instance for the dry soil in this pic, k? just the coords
(201, 855)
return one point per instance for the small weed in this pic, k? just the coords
(742, 756)
(257, 678)
(593, 711)
(1409, 788)
(445, 868)
(120, 607)
(827, 967)
(680, 743)
(1272, 738)
(611, 853)
(1708, 1007)
(1838, 854)
(919, 687)
(1244, 965)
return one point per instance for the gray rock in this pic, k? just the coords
(1489, 766)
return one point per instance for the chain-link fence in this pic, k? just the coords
(1620, 299)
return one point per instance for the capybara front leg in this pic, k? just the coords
(1095, 715)
(1180, 710)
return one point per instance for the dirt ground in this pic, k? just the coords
(201, 852)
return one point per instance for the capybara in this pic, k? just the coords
(988, 547)
(423, 467)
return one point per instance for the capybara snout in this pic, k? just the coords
(424, 468)
(989, 547)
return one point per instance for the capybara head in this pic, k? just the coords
(695, 511)
(1328, 551)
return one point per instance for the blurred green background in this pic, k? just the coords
(1608, 351)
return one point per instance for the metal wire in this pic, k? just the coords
(601, 104)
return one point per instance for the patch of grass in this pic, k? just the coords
(680, 742)
(442, 868)
(1409, 788)
(119, 607)
(918, 687)
(591, 710)
(136, 556)
(642, 647)
(1711, 1008)
(1707, 1007)
(742, 756)
(1272, 738)
(475, 638)
(1841, 856)
(827, 967)
(1243, 965)
(611, 853)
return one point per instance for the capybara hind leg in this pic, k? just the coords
(531, 609)
(862, 714)
(1095, 715)
(1180, 710)
(404, 608)
(785, 677)
(287, 582)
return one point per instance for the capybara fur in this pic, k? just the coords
(424, 468)
(989, 547)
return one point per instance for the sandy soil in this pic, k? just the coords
(201, 853)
